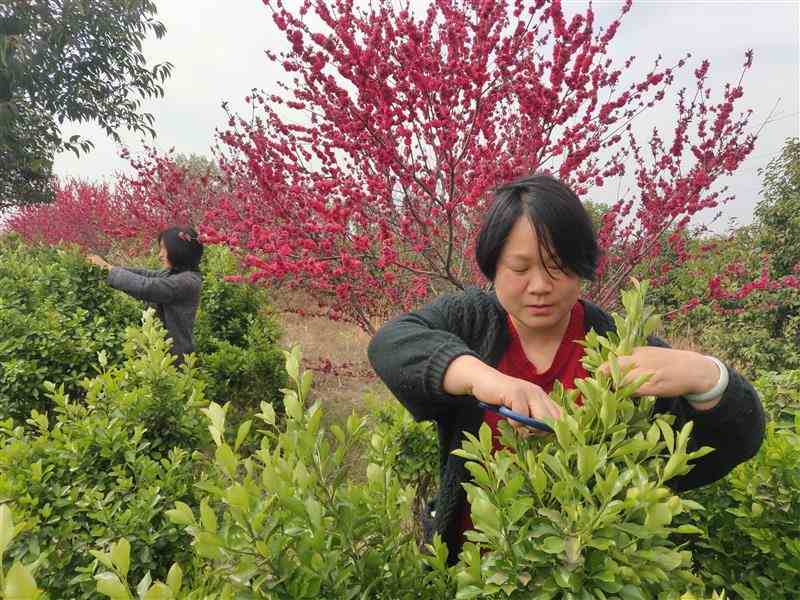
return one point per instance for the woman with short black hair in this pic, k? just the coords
(174, 291)
(510, 345)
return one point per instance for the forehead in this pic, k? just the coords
(523, 242)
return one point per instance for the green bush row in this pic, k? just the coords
(57, 314)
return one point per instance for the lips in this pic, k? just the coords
(537, 309)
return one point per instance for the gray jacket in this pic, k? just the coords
(175, 296)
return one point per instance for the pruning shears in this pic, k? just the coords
(515, 416)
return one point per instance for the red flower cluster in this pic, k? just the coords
(127, 216)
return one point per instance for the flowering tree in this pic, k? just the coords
(81, 213)
(363, 180)
(164, 190)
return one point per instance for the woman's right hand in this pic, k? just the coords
(521, 396)
(468, 375)
(98, 261)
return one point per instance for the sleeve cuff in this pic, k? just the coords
(438, 364)
(736, 399)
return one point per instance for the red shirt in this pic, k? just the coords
(566, 368)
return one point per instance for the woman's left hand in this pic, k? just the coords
(98, 261)
(672, 372)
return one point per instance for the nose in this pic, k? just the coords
(539, 282)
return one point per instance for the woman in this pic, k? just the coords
(174, 292)
(508, 347)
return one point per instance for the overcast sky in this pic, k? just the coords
(217, 48)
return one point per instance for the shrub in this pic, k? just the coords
(284, 523)
(57, 314)
(106, 467)
(55, 317)
(585, 513)
(18, 583)
(751, 524)
(408, 448)
(236, 339)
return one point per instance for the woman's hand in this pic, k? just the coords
(468, 375)
(98, 261)
(672, 372)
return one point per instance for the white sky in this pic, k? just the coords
(216, 47)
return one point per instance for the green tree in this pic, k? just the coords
(778, 212)
(777, 218)
(69, 59)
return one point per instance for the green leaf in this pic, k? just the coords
(689, 529)
(267, 413)
(553, 545)
(226, 459)
(208, 517)
(668, 560)
(103, 557)
(175, 578)
(658, 515)
(668, 433)
(181, 514)
(291, 404)
(305, 386)
(216, 414)
(238, 496)
(20, 584)
(292, 367)
(631, 592)
(121, 556)
(469, 592)
(144, 585)
(675, 462)
(6, 527)
(519, 508)
(110, 585)
(479, 473)
(158, 591)
(241, 434)
(314, 509)
(485, 514)
(587, 461)
(485, 436)
(208, 545)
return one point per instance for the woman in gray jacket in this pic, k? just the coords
(174, 291)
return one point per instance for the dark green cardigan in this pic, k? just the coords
(412, 352)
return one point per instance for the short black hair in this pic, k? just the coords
(563, 227)
(184, 250)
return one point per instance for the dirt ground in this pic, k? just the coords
(345, 389)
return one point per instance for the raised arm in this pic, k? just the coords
(159, 290)
(144, 272)
(734, 428)
(412, 352)
(732, 423)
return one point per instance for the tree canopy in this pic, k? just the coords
(78, 60)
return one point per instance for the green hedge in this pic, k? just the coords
(107, 466)
(57, 314)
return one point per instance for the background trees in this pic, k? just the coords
(77, 60)
(364, 180)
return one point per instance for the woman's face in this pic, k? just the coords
(539, 302)
(162, 255)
